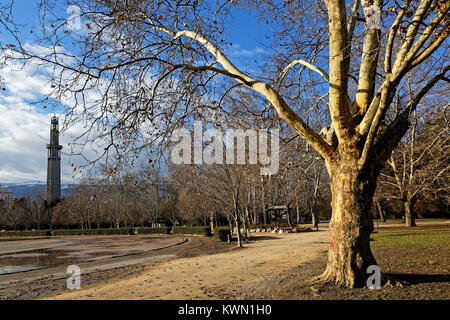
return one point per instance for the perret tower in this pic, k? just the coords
(54, 163)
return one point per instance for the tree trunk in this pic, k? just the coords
(288, 216)
(409, 214)
(244, 225)
(263, 201)
(349, 254)
(254, 215)
(211, 222)
(314, 218)
(238, 232)
(247, 216)
(380, 211)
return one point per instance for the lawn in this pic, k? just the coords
(436, 238)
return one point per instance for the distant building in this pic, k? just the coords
(6, 195)
(54, 163)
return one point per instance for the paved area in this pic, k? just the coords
(28, 245)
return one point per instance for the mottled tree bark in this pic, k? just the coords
(352, 190)
(408, 205)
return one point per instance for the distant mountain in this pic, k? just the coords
(32, 189)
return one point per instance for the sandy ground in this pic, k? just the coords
(212, 276)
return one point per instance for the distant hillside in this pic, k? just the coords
(32, 189)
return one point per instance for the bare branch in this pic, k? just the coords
(320, 71)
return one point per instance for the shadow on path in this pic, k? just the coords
(258, 238)
(420, 278)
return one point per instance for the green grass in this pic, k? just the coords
(438, 238)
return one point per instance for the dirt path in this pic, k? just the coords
(212, 276)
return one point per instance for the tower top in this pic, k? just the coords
(54, 123)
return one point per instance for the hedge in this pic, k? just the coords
(222, 234)
(156, 230)
(79, 232)
(25, 233)
(75, 232)
(204, 231)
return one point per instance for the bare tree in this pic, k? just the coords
(420, 164)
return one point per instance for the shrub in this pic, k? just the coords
(25, 233)
(156, 230)
(75, 232)
(204, 231)
(222, 234)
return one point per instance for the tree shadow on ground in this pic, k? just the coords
(259, 238)
(420, 278)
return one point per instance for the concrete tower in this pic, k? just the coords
(54, 163)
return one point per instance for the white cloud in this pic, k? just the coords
(22, 144)
(25, 128)
(236, 51)
(23, 139)
(24, 83)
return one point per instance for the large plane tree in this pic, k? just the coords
(156, 64)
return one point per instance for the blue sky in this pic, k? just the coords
(26, 126)
(245, 32)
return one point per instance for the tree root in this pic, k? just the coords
(328, 277)
(391, 282)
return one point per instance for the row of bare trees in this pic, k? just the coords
(23, 213)
(113, 199)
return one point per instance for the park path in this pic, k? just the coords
(208, 276)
